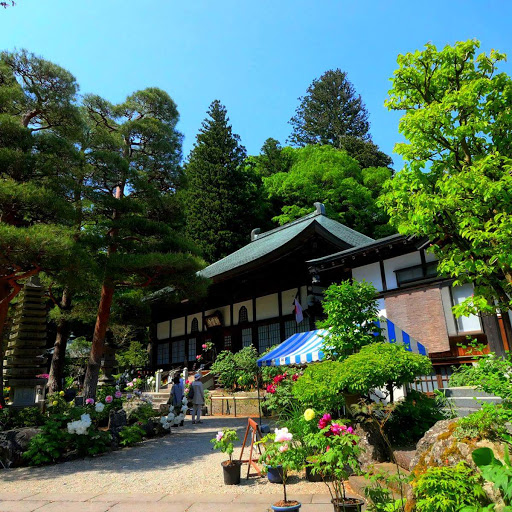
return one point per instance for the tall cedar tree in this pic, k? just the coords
(331, 113)
(221, 193)
(136, 150)
(37, 109)
(455, 187)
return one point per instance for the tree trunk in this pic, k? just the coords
(98, 341)
(59, 348)
(508, 328)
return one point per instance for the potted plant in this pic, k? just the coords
(337, 449)
(282, 453)
(223, 441)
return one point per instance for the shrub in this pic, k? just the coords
(279, 398)
(142, 414)
(237, 371)
(50, 445)
(412, 417)
(380, 365)
(131, 435)
(15, 418)
(491, 374)
(447, 489)
(320, 386)
(225, 368)
(351, 311)
(487, 423)
(224, 440)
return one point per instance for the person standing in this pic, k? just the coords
(176, 397)
(197, 398)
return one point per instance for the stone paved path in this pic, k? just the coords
(176, 473)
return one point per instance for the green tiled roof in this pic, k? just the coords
(267, 242)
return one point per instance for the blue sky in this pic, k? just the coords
(256, 57)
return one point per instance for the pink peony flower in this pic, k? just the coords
(219, 435)
(283, 436)
(89, 401)
(283, 448)
(271, 389)
(350, 430)
(199, 357)
(130, 384)
(295, 377)
(279, 378)
(205, 346)
(109, 399)
(336, 429)
(118, 394)
(324, 421)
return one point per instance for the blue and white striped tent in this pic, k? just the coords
(306, 347)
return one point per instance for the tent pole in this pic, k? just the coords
(258, 389)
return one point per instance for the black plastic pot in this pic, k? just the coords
(310, 477)
(352, 505)
(275, 474)
(231, 472)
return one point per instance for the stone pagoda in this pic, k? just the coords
(24, 357)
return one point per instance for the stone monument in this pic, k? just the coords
(24, 357)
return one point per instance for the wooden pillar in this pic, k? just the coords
(280, 311)
(491, 328)
(255, 340)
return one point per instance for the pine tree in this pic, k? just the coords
(221, 193)
(332, 113)
(37, 109)
(135, 153)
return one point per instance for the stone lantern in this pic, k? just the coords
(24, 357)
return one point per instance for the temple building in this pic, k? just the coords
(255, 291)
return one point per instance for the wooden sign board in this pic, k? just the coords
(254, 431)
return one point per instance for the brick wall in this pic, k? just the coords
(420, 314)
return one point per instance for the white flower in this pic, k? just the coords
(184, 409)
(99, 407)
(184, 400)
(170, 416)
(80, 426)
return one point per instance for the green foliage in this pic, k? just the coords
(50, 445)
(135, 356)
(130, 435)
(382, 364)
(142, 414)
(447, 489)
(279, 398)
(351, 310)
(495, 471)
(15, 418)
(455, 186)
(221, 194)
(379, 491)
(224, 442)
(412, 417)
(490, 373)
(487, 423)
(319, 387)
(330, 176)
(237, 371)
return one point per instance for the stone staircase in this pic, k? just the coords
(466, 400)
(159, 398)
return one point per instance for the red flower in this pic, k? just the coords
(271, 389)
(279, 378)
(295, 377)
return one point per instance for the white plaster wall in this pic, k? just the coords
(430, 256)
(267, 307)
(190, 318)
(163, 330)
(287, 297)
(178, 327)
(465, 323)
(236, 310)
(370, 273)
(226, 315)
(397, 263)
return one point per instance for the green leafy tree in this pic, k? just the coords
(332, 177)
(135, 356)
(331, 113)
(221, 192)
(37, 113)
(455, 186)
(135, 153)
(272, 159)
(351, 312)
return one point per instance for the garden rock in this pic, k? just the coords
(116, 421)
(13, 443)
(149, 428)
(439, 447)
(373, 446)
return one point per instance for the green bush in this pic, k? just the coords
(487, 423)
(380, 365)
(142, 414)
(280, 400)
(237, 371)
(135, 356)
(16, 418)
(320, 387)
(351, 310)
(50, 445)
(225, 368)
(131, 435)
(412, 417)
(491, 374)
(447, 489)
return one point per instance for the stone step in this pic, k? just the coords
(465, 392)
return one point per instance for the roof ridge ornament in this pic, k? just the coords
(254, 233)
(320, 208)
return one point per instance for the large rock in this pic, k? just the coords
(13, 443)
(374, 447)
(116, 421)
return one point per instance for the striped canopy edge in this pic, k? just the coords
(306, 347)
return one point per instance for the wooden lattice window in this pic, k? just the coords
(195, 325)
(243, 316)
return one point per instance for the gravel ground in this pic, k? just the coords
(181, 462)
